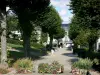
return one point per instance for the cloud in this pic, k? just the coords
(63, 12)
(63, 9)
(60, 2)
(66, 19)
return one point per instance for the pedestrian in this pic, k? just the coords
(88, 73)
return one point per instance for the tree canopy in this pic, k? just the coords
(60, 34)
(49, 21)
(88, 11)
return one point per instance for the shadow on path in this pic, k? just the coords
(69, 54)
(73, 60)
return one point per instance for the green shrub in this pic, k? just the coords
(93, 55)
(3, 71)
(13, 41)
(79, 50)
(43, 68)
(53, 68)
(36, 45)
(83, 64)
(96, 61)
(24, 65)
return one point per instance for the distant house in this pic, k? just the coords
(66, 39)
(38, 32)
(16, 32)
(98, 44)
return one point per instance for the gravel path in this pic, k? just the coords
(63, 56)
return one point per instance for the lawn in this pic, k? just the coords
(17, 51)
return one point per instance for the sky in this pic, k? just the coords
(63, 9)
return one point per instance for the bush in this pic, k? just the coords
(36, 45)
(79, 50)
(53, 68)
(3, 71)
(13, 41)
(93, 55)
(24, 65)
(83, 64)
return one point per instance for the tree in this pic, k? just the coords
(3, 25)
(12, 24)
(82, 36)
(88, 13)
(60, 34)
(27, 11)
(88, 10)
(75, 27)
(76, 32)
(50, 21)
(43, 37)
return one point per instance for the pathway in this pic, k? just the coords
(63, 56)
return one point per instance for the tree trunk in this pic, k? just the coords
(51, 40)
(26, 44)
(3, 37)
(91, 47)
(58, 43)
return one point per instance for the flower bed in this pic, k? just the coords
(81, 67)
(24, 65)
(53, 68)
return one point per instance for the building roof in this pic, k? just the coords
(65, 25)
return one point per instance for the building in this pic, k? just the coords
(66, 38)
(98, 44)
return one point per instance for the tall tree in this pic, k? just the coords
(88, 12)
(12, 23)
(82, 35)
(60, 34)
(25, 9)
(50, 22)
(3, 25)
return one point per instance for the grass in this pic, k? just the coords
(13, 45)
(35, 51)
(16, 51)
(16, 55)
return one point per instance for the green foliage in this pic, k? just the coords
(60, 33)
(43, 37)
(37, 45)
(53, 68)
(82, 35)
(85, 53)
(12, 23)
(34, 36)
(13, 56)
(3, 71)
(86, 22)
(27, 9)
(93, 55)
(49, 20)
(74, 28)
(42, 68)
(88, 11)
(13, 41)
(96, 61)
(24, 64)
(83, 64)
